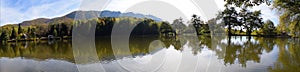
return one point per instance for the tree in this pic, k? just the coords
(28, 30)
(283, 23)
(3, 36)
(51, 30)
(229, 17)
(179, 26)
(13, 34)
(268, 28)
(55, 33)
(199, 25)
(290, 16)
(57, 29)
(32, 33)
(215, 28)
(295, 29)
(19, 29)
(63, 30)
(252, 21)
(246, 3)
(70, 31)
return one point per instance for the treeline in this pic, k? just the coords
(195, 26)
(104, 26)
(64, 29)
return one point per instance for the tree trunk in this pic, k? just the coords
(229, 30)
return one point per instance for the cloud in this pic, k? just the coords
(16, 11)
(268, 13)
(186, 7)
(220, 4)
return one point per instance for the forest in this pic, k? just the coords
(104, 26)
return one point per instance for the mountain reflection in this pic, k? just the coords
(233, 50)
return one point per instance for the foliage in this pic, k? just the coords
(104, 26)
(179, 26)
(13, 34)
(3, 36)
(246, 3)
(243, 20)
(229, 17)
(252, 21)
(19, 29)
(200, 26)
(268, 28)
(290, 16)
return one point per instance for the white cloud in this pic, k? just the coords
(12, 15)
(187, 7)
(268, 13)
(220, 4)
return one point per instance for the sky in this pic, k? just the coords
(17, 11)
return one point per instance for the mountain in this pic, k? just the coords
(35, 21)
(79, 15)
(106, 13)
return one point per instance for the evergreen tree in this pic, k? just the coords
(19, 29)
(13, 34)
(3, 36)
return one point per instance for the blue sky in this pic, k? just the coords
(16, 11)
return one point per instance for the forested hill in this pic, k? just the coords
(86, 15)
(62, 27)
(105, 21)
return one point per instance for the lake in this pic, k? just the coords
(152, 53)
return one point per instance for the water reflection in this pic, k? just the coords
(289, 57)
(37, 50)
(209, 53)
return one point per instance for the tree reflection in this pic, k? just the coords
(241, 50)
(37, 50)
(232, 50)
(288, 58)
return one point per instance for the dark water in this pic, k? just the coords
(148, 54)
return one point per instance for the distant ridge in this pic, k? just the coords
(87, 15)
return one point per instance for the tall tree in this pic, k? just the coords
(252, 22)
(28, 30)
(3, 36)
(32, 33)
(247, 19)
(230, 18)
(290, 16)
(52, 28)
(19, 29)
(282, 28)
(198, 24)
(13, 34)
(63, 30)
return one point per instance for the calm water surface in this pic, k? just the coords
(181, 54)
